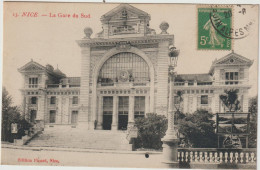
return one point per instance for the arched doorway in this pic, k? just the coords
(123, 83)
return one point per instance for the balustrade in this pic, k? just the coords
(217, 156)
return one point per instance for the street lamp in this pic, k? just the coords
(170, 140)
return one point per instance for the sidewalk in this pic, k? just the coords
(25, 147)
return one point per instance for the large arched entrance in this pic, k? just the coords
(123, 90)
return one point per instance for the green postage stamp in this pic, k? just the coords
(214, 28)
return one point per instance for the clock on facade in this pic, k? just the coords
(123, 75)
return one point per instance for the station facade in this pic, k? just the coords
(124, 75)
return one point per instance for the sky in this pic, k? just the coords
(52, 40)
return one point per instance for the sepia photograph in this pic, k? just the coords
(121, 85)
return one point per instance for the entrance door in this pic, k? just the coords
(107, 112)
(74, 117)
(123, 107)
(52, 116)
(33, 116)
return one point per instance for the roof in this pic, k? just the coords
(58, 72)
(193, 77)
(33, 66)
(71, 80)
(108, 15)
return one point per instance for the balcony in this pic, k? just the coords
(213, 158)
(231, 82)
(193, 83)
(32, 86)
(141, 83)
(179, 84)
(62, 86)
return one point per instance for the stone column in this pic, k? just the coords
(115, 113)
(100, 113)
(131, 115)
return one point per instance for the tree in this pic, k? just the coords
(253, 122)
(198, 129)
(230, 100)
(150, 131)
(11, 114)
(177, 104)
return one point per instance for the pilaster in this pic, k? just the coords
(100, 113)
(131, 110)
(41, 107)
(162, 78)
(84, 116)
(245, 101)
(115, 113)
(147, 108)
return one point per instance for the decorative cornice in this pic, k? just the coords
(131, 40)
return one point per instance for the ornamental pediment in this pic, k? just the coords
(233, 59)
(124, 11)
(32, 67)
(124, 14)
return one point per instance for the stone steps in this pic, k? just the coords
(76, 138)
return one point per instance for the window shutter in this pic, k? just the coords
(209, 100)
(222, 74)
(57, 101)
(198, 101)
(190, 103)
(70, 101)
(49, 101)
(241, 74)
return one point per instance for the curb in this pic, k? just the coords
(77, 150)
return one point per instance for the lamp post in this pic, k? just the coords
(170, 140)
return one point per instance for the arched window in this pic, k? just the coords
(124, 67)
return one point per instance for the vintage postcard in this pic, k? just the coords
(130, 85)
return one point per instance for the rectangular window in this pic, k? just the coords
(108, 105)
(53, 100)
(139, 108)
(75, 100)
(123, 105)
(231, 78)
(52, 116)
(204, 99)
(33, 82)
(33, 100)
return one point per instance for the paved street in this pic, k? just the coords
(11, 156)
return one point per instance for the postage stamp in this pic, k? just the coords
(214, 28)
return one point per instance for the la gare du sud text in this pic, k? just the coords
(58, 15)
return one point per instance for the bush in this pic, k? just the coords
(151, 129)
(253, 122)
(198, 130)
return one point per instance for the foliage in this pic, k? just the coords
(178, 114)
(230, 100)
(151, 129)
(253, 122)
(198, 130)
(11, 114)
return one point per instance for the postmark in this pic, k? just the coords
(211, 23)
